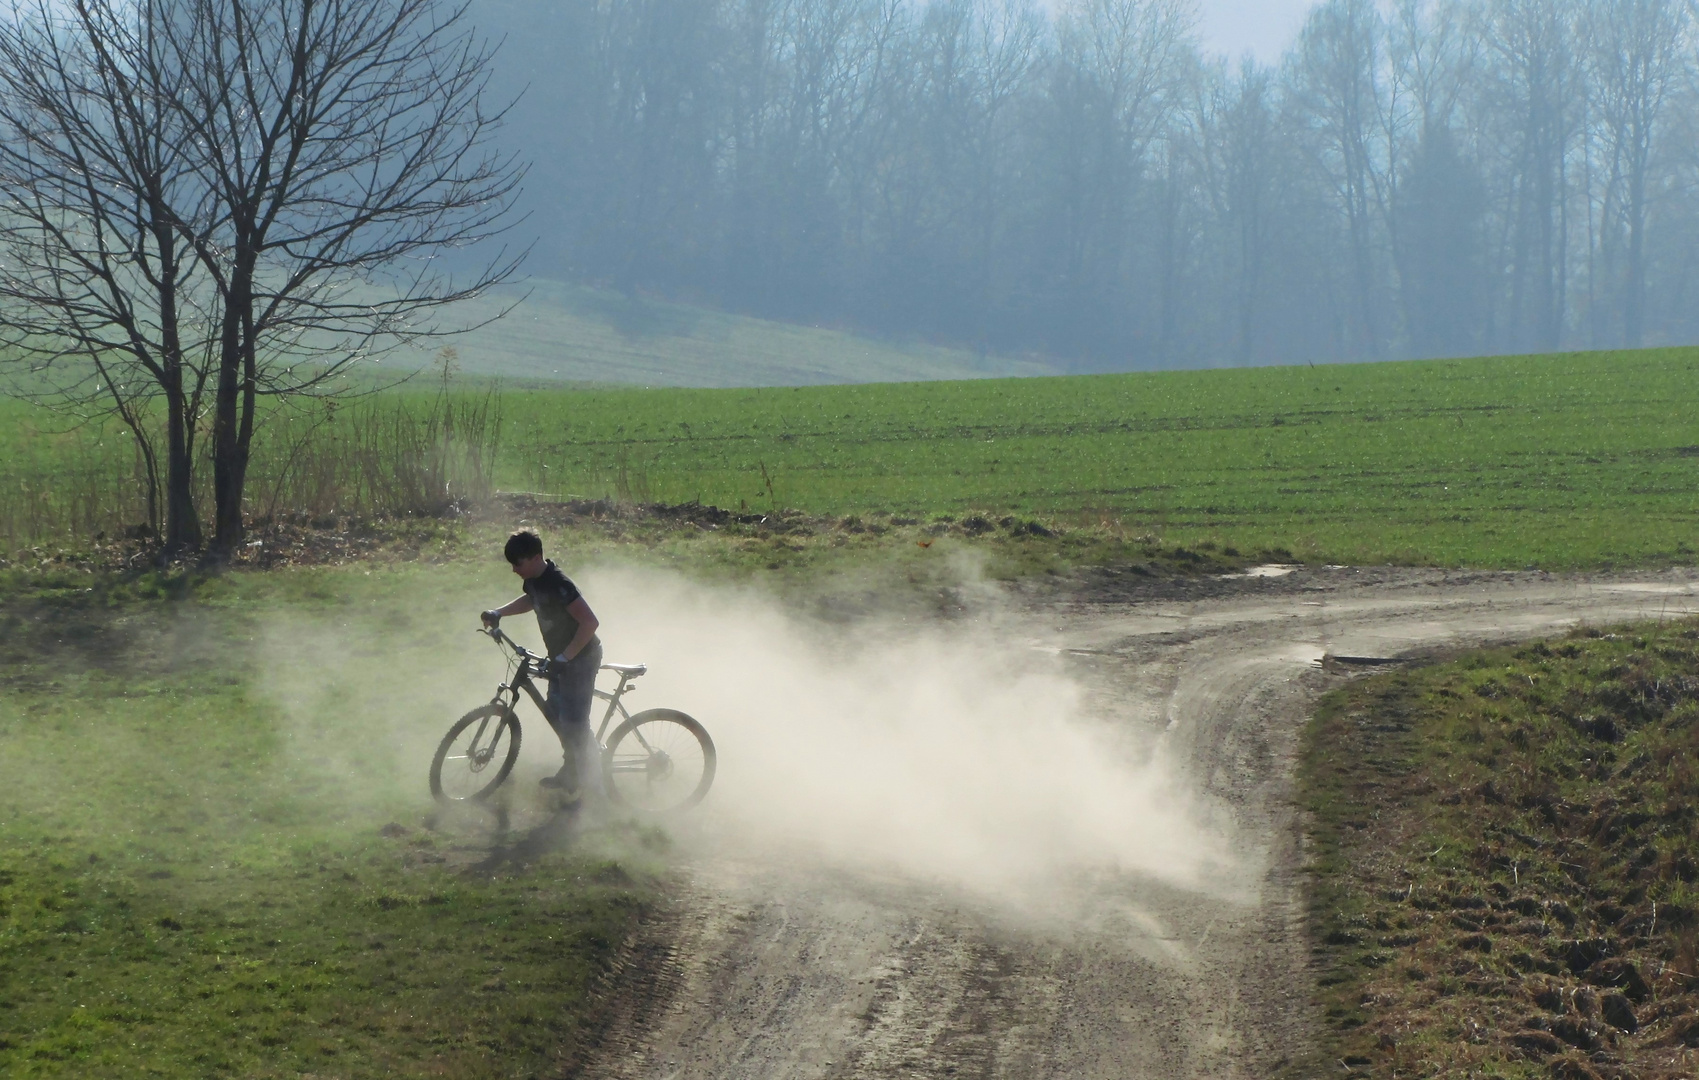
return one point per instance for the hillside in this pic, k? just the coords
(567, 333)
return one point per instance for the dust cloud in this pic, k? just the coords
(947, 751)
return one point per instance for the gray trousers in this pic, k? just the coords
(571, 693)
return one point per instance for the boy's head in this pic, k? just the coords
(524, 551)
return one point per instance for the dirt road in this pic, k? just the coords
(769, 965)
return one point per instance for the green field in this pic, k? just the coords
(1555, 461)
(1565, 461)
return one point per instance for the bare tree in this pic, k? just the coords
(1075, 177)
(1438, 210)
(103, 295)
(1639, 57)
(217, 201)
(1119, 76)
(1340, 95)
(1536, 86)
(939, 179)
(1237, 148)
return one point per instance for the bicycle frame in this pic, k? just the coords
(531, 667)
(655, 761)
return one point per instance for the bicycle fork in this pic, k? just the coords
(506, 697)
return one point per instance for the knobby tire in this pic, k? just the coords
(628, 766)
(499, 723)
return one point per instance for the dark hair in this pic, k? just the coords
(522, 545)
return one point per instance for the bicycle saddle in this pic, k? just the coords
(630, 671)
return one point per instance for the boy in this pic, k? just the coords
(569, 634)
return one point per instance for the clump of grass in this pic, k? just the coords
(390, 456)
(1506, 875)
(85, 490)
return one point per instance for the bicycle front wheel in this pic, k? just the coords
(658, 762)
(476, 755)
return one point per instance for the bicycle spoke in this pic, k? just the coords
(475, 756)
(659, 762)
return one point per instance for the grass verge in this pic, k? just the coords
(1505, 852)
(804, 555)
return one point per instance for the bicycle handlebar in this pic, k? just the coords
(542, 664)
(526, 656)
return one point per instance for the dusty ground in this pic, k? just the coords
(772, 965)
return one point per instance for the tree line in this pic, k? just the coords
(1082, 180)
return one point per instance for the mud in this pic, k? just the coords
(773, 964)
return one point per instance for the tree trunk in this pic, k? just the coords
(182, 524)
(1634, 303)
(231, 429)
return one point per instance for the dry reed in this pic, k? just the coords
(396, 455)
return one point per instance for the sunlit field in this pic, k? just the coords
(1553, 461)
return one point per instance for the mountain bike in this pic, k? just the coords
(655, 762)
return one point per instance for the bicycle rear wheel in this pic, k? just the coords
(658, 762)
(476, 755)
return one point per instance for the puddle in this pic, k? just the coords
(1266, 570)
(1304, 652)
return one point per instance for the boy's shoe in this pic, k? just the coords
(565, 782)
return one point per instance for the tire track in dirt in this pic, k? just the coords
(768, 965)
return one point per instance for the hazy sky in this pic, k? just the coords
(1262, 27)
